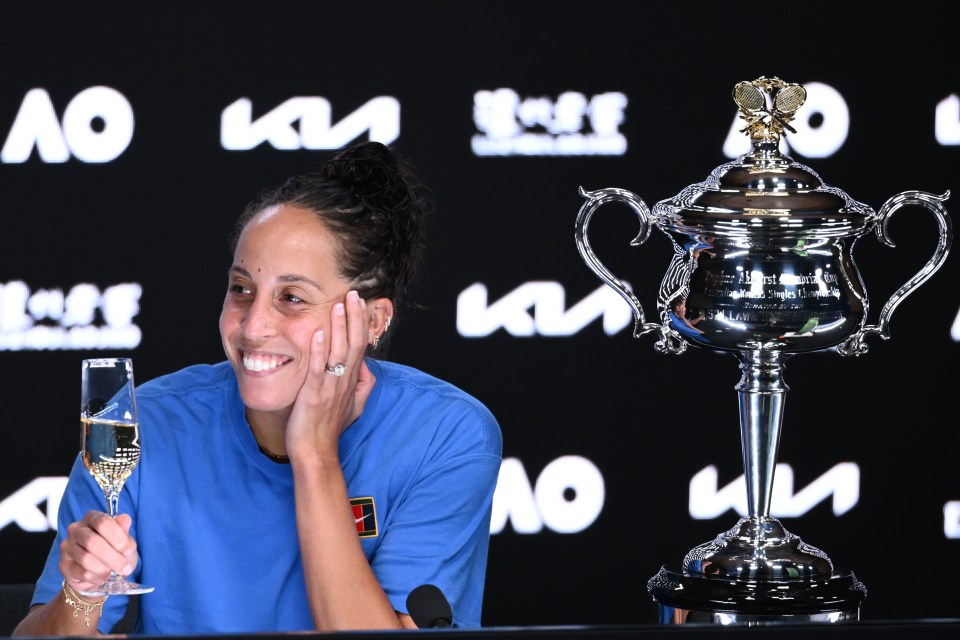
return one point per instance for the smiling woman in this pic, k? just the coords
(343, 481)
(284, 286)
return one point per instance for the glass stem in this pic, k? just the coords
(113, 501)
(113, 505)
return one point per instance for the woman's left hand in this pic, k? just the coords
(329, 403)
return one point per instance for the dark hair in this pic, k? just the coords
(371, 200)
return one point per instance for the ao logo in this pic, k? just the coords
(951, 519)
(97, 126)
(567, 497)
(947, 123)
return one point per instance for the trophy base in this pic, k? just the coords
(686, 597)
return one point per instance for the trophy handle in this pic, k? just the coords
(854, 345)
(594, 199)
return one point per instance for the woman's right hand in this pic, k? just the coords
(96, 545)
(327, 404)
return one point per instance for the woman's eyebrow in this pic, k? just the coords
(286, 278)
(296, 278)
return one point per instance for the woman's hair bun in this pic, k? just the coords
(372, 173)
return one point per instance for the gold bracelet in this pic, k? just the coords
(82, 606)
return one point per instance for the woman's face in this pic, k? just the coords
(282, 286)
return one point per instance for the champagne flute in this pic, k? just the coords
(111, 442)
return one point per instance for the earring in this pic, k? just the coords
(386, 324)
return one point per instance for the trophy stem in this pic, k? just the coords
(762, 395)
(757, 572)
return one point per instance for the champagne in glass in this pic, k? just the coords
(111, 442)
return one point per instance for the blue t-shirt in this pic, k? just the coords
(214, 518)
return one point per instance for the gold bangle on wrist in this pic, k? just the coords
(82, 606)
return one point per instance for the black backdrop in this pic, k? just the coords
(158, 213)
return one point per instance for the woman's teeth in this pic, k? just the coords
(258, 363)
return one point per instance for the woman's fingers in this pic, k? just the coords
(96, 545)
(338, 382)
(338, 338)
(348, 337)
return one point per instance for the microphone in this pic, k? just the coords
(429, 608)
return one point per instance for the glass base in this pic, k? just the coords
(116, 586)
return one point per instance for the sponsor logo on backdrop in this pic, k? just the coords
(947, 121)
(97, 126)
(571, 125)
(538, 308)
(841, 483)
(567, 497)
(23, 506)
(951, 519)
(306, 122)
(83, 318)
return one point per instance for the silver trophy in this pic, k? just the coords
(762, 268)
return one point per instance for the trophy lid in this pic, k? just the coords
(764, 192)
